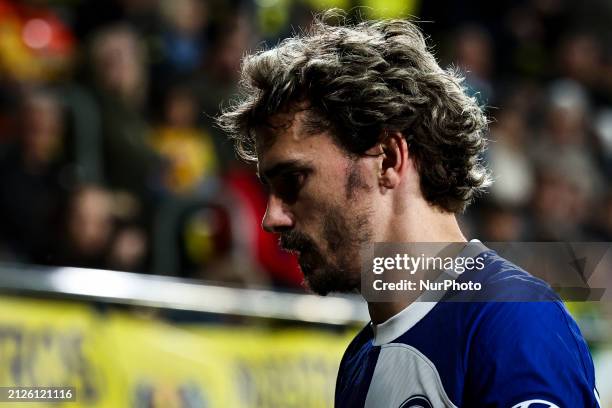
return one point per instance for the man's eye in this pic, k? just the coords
(295, 178)
(288, 186)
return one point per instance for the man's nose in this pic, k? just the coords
(277, 217)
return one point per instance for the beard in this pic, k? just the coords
(342, 235)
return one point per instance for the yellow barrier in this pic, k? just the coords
(120, 360)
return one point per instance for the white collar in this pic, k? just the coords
(400, 323)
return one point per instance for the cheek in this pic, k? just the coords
(321, 200)
(309, 219)
(324, 193)
(311, 216)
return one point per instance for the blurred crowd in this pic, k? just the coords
(109, 156)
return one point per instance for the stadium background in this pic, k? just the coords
(109, 159)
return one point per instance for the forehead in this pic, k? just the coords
(290, 138)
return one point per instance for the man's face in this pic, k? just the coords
(319, 202)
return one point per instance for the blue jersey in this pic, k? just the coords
(473, 354)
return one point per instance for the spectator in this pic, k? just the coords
(34, 173)
(121, 83)
(184, 39)
(580, 58)
(474, 56)
(93, 237)
(189, 151)
(508, 160)
(561, 202)
(566, 136)
(87, 230)
(502, 223)
(219, 76)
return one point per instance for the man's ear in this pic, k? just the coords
(395, 159)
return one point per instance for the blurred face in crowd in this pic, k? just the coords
(42, 127)
(230, 49)
(580, 58)
(566, 125)
(474, 52)
(319, 202)
(90, 222)
(186, 16)
(118, 62)
(510, 128)
(181, 109)
(560, 198)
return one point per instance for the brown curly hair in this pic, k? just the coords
(359, 81)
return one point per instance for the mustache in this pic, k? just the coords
(295, 241)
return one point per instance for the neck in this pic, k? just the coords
(424, 224)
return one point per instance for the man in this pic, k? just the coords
(362, 138)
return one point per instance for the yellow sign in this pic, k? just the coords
(120, 360)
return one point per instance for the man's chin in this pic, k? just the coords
(309, 289)
(314, 279)
(324, 282)
(317, 290)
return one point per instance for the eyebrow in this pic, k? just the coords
(282, 167)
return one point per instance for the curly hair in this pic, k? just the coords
(359, 81)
